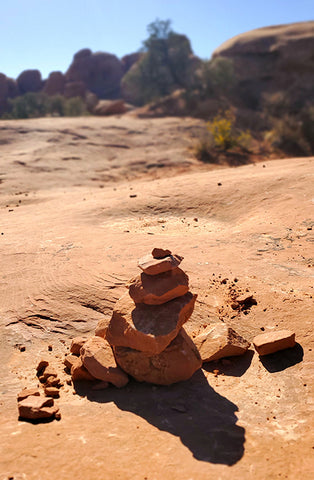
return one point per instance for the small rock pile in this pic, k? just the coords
(32, 404)
(145, 331)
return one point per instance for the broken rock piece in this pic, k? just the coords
(267, 343)
(77, 344)
(148, 328)
(98, 359)
(219, 341)
(159, 289)
(154, 266)
(176, 363)
(160, 253)
(37, 407)
(102, 327)
(27, 392)
(79, 372)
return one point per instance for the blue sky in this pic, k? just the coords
(45, 34)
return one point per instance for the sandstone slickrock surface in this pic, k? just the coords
(148, 328)
(176, 363)
(154, 266)
(159, 289)
(267, 343)
(219, 341)
(98, 359)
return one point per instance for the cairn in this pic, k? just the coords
(145, 330)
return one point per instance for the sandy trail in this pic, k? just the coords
(67, 248)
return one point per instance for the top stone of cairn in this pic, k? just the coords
(159, 261)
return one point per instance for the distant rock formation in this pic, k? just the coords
(100, 72)
(55, 84)
(29, 81)
(8, 89)
(272, 59)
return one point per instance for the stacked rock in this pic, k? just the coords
(145, 330)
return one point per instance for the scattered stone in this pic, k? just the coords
(79, 372)
(154, 266)
(148, 328)
(159, 289)
(69, 361)
(41, 367)
(52, 382)
(37, 407)
(27, 392)
(50, 348)
(219, 341)
(243, 302)
(48, 372)
(272, 342)
(77, 344)
(178, 362)
(98, 359)
(52, 392)
(160, 253)
(22, 348)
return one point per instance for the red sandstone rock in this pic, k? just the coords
(37, 407)
(148, 328)
(160, 253)
(77, 344)
(159, 289)
(98, 359)
(102, 327)
(52, 392)
(27, 392)
(154, 266)
(69, 361)
(41, 366)
(272, 342)
(29, 81)
(48, 372)
(219, 341)
(110, 107)
(54, 84)
(79, 372)
(53, 382)
(176, 363)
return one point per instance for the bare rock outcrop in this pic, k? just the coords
(54, 84)
(29, 81)
(100, 72)
(272, 59)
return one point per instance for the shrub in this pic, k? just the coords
(222, 130)
(32, 105)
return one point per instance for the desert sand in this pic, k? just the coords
(81, 200)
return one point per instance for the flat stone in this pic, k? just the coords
(219, 341)
(27, 392)
(52, 392)
(176, 363)
(160, 253)
(77, 344)
(79, 372)
(148, 328)
(154, 266)
(159, 289)
(272, 342)
(37, 407)
(98, 359)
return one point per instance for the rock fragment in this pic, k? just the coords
(52, 392)
(272, 342)
(98, 359)
(159, 289)
(178, 362)
(69, 361)
(27, 392)
(154, 266)
(219, 341)
(160, 253)
(102, 327)
(37, 407)
(148, 328)
(79, 372)
(77, 344)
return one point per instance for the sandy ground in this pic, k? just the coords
(81, 201)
